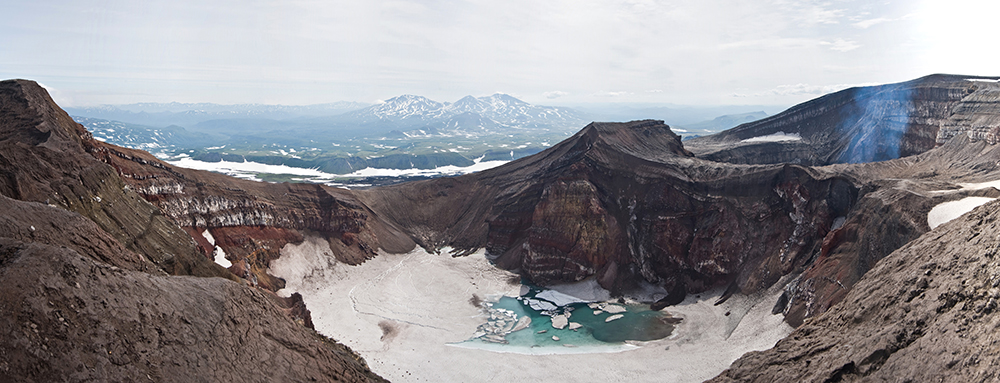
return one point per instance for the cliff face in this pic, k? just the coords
(865, 124)
(926, 313)
(85, 263)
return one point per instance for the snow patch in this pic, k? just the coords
(208, 236)
(426, 297)
(448, 170)
(219, 256)
(776, 137)
(948, 211)
(580, 292)
(234, 168)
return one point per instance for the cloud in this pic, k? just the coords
(811, 13)
(842, 45)
(865, 24)
(57, 96)
(611, 94)
(802, 90)
(770, 43)
(554, 94)
(654, 91)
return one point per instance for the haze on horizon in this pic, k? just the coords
(722, 52)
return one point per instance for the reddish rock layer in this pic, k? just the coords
(250, 220)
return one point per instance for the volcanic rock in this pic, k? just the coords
(622, 202)
(86, 294)
(626, 202)
(925, 313)
(865, 124)
(70, 318)
(251, 221)
(44, 158)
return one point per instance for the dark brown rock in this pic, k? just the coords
(925, 313)
(251, 220)
(866, 124)
(86, 295)
(69, 318)
(44, 158)
(625, 203)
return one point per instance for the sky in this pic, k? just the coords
(550, 52)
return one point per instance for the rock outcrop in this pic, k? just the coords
(67, 317)
(252, 220)
(925, 313)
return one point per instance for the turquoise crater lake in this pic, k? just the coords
(580, 326)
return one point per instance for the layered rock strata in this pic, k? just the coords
(249, 220)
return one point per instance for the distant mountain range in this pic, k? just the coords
(143, 137)
(719, 124)
(188, 114)
(403, 132)
(397, 113)
(413, 116)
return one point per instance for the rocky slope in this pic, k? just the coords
(865, 124)
(86, 264)
(85, 308)
(926, 313)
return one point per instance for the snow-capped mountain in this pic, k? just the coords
(503, 107)
(399, 108)
(468, 115)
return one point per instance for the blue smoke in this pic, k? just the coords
(876, 121)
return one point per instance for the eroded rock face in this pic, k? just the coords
(925, 313)
(606, 204)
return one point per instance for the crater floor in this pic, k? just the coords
(402, 311)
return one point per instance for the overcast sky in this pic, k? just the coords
(554, 52)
